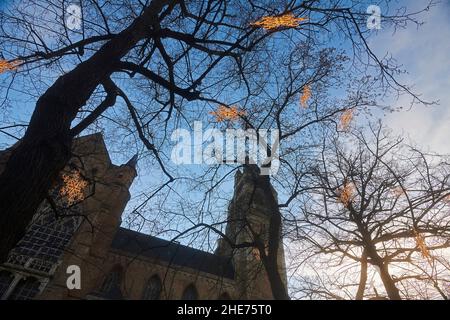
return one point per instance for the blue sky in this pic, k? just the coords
(425, 54)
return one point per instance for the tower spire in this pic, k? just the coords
(250, 212)
(133, 161)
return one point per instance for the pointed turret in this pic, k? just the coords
(251, 208)
(133, 161)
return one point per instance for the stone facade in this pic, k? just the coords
(117, 263)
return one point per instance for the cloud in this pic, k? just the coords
(425, 54)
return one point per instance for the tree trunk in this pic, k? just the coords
(389, 284)
(371, 250)
(279, 290)
(363, 277)
(45, 148)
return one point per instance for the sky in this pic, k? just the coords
(425, 54)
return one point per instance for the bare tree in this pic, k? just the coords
(376, 201)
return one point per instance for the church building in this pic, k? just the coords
(118, 263)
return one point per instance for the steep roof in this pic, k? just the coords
(140, 244)
(92, 145)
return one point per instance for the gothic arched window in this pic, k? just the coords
(111, 285)
(190, 293)
(26, 289)
(153, 289)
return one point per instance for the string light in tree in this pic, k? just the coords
(346, 119)
(346, 194)
(256, 254)
(398, 192)
(224, 113)
(447, 199)
(306, 95)
(287, 20)
(420, 241)
(73, 187)
(6, 65)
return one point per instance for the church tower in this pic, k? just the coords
(249, 215)
(77, 233)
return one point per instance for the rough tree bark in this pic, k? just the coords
(363, 277)
(44, 150)
(375, 259)
(389, 284)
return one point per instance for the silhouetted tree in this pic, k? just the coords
(377, 201)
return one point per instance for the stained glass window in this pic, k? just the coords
(190, 293)
(153, 289)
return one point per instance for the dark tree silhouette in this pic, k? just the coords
(377, 201)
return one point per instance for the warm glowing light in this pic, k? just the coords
(224, 113)
(422, 245)
(256, 254)
(306, 95)
(73, 187)
(274, 22)
(6, 65)
(447, 199)
(346, 194)
(398, 191)
(346, 119)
